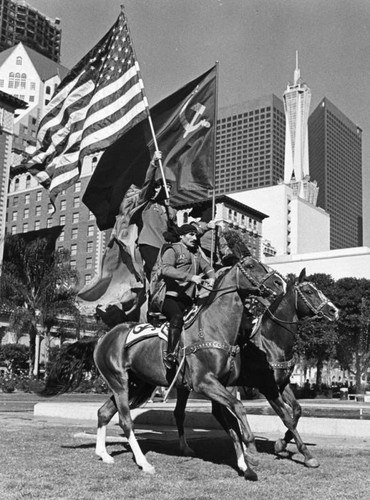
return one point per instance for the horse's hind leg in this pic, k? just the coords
(282, 411)
(105, 415)
(120, 388)
(179, 414)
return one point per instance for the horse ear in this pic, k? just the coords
(302, 275)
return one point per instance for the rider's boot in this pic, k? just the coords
(174, 334)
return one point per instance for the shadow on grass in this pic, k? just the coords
(216, 450)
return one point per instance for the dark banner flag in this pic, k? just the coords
(184, 125)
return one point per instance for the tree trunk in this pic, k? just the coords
(319, 366)
(358, 372)
(32, 349)
(47, 338)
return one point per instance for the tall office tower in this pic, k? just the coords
(297, 99)
(335, 149)
(20, 22)
(250, 145)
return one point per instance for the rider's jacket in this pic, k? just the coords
(179, 265)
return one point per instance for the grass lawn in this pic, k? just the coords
(40, 460)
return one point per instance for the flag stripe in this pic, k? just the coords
(99, 100)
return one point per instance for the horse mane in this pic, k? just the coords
(221, 273)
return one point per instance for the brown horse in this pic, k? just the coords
(210, 358)
(267, 362)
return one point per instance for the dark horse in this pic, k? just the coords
(210, 358)
(267, 362)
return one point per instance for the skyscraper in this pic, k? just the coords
(297, 98)
(20, 22)
(250, 145)
(335, 149)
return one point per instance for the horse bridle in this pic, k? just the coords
(318, 311)
(259, 285)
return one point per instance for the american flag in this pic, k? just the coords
(99, 100)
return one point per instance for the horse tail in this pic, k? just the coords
(69, 369)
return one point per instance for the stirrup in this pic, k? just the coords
(170, 360)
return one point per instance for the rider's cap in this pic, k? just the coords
(187, 228)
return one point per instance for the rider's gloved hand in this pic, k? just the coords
(196, 279)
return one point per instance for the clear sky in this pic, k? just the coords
(253, 40)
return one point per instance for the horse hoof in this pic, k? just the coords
(106, 458)
(312, 463)
(250, 475)
(188, 452)
(280, 445)
(149, 469)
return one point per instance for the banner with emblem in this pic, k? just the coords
(184, 125)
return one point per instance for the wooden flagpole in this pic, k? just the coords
(147, 105)
(214, 167)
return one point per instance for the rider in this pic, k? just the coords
(153, 213)
(182, 269)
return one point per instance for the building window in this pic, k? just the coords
(14, 230)
(74, 233)
(1, 82)
(50, 208)
(75, 217)
(37, 225)
(74, 249)
(48, 90)
(38, 196)
(73, 264)
(15, 201)
(91, 215)
(38, 211)
(31, 98)
(25, 227)
(61, 237)
(63, 204)
(62, 220)
(28, 181)
(49, 223)
(87, 278)
(78, 187)
(33, 85)
(76, 202)
(89, 247)
(88, 263)
(18, 61)
(90, 231)
(16, 185)
(14, 216)
(26, 213)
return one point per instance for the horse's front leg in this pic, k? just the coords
(290, 399)
(231, 427)
(282, 411)
(179, 414)
(105, 415)
(214, 390)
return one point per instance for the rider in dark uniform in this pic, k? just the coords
(183, 267)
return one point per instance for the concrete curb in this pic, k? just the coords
(199, 416)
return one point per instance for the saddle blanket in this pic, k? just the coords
(145, 331)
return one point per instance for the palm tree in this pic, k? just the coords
(37, 285)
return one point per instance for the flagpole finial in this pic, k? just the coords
(122, 7)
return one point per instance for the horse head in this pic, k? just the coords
(310, 301)
(259, 280)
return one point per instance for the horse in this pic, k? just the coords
(210, 359)
(267, 362)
